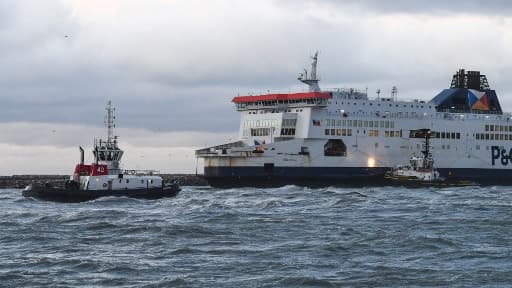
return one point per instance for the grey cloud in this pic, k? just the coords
(453, 7)
(174, 66)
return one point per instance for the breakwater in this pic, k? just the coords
(21, 181)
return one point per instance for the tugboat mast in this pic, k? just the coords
(106, 151)
(109, 122)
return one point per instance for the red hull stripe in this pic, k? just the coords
(275, 97)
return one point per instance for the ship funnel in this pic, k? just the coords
(81, 155)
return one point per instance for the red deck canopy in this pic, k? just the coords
(284, 97)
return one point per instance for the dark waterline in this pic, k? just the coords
(284, 237)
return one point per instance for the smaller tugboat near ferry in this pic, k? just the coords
(420, 169)
(105, 177)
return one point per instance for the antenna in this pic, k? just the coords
(312, 80)
(378, 93)
(394, 93)
(313, 66)
(109, 121)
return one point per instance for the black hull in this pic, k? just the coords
(227, 177)
(71, 194)
(272, 182)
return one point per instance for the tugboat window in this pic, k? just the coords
(335, 147)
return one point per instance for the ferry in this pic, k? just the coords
(343, 136)
(105, 177)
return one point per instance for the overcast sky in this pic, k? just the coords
(171, 67)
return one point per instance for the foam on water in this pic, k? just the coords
(248, 237)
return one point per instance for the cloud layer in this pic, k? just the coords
(171, 67)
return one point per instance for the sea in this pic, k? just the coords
(248, 237)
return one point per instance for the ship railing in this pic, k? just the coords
(223, 148)
(465, 111)
(139, 172)
(280, 106)
(347, 90)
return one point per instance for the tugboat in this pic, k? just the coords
(104, 177)
(420, 169)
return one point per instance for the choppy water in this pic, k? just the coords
(285, 237)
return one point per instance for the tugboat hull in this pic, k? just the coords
(72, 194)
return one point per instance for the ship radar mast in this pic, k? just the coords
(107, 151)
(109, 122)
(312, 81)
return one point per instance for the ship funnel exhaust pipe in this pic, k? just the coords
(81, 155)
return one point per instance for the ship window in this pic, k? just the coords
(127, 180)
(492, 136)
(486, 136)
(486, 127)
(491, 127)
(338, 132)
(335, 147)
(333, 132)
(326, 131)
(506, 136)
(457, 135)
(501, 136)
(442, 135)
(349, 132)
(453, 135)
(477, 136)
